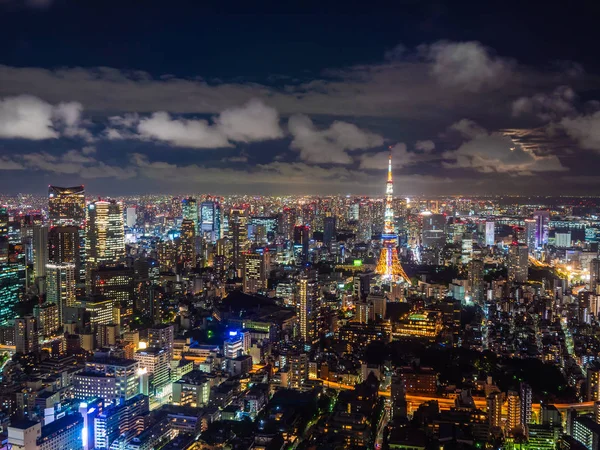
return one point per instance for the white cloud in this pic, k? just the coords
(7, 163)
(467, 65)
(181, 132)
(584, 129)
(496, 152)
(400, 157)
(251, 122)
(331, 144)
(425, 146)
(558, 104)
(28, 117)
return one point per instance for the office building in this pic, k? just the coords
(329, 231)
(65, 246)
(490, 233)
(131, 217)
(116, 284)
(301, 241)
(156, 363)
(210, 219)
(47, 318)
(189, 211)
(193, 390)
(476, 282)
(26, 335)
(66, 205)
(63, 434)
(256, 271)
(595, 276)
(110, 379)
(434, 230)
(542, 220)
(562, 240)
(238, 230)
(306, 299)
(162, 336)
(11, 290)
(60, 286)
(187, 242)
(105, 243)
(365, 222)
(518, 263)
(40, 255)
(530, 234)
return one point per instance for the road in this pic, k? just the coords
(446, 403)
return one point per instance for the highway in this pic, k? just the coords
(445, 403)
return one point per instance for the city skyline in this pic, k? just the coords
(302, 104)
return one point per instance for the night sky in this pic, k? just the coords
(149, 96)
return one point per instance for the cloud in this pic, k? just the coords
(251, 122)
(379, 161)
(181, 132)
(329, 145)
(28, 117)
(425, 146)
(467, 65)
(73, 162)
(558, 104)
(496, 152)
(584, 129)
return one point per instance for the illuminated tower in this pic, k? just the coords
(389, 266)
(105, 234)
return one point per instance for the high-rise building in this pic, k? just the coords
(4, 245)
(513, 408)
(476, 282)
(210, 219)
(26, 335)
(530, 234)
(306, 303)
(187, 239)
(434, 230)
(66, 205)
(40, 255)
(389, 265)
(131, 217)
(64, 246)
(494, 409)
(365, 222)
(108, 379)
(526, 402)
(46, 315)
(60, 286)
(162, 336)
(490, 230)
(11, 290)
(256, 271)
(595, 276)
(116, 284)
(167, 256)
(155, 362)
(238, 231)
(329, 231)
(105, 244)
(518, 263)
(189, 210)
(562, 240)
(301, 240)
(542, 220)
(288, 222)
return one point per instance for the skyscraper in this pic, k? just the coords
(3, 234)
(329, 230)
(530, 232)
(542, 220)
(40, 255)
(105, 244)
(389, 265)
(64, 245)
(490, 230)
(595, 276)
(301, 240)
(305, 299)
(434, 230)
(26, 335)
(365, 222)
(239, 235)
(476, 280)
(60, 286)
(11, 291)
(256, 271)
(189, 210)
(518, 263)
(66, 205)
(187, 237)
(210, 219)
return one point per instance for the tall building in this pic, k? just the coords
(365, 222)
(64, 246)
(108, 379)
(238, 230)
(40, 255)
(256, 271)
(434, 230)
(494, 409)
(301, 241)
(389, 265)
(518, 263)
(155, 362)
(306, 298)
(26, 335)
(11, 291)
(187, 238)
(60, 284)
(46, 315)
(562, 240)
(490, 233)
(3, 235)
(66, 205)
(513, 408)
(542, 220)
(595, 275)
(476, 281)
(530, 234)
(526, 402)
(131, 217)
(115, 284)
(210, 219)
(162, 336)
(189, 211)
(288, 222)
(329, 231)
(105, 244)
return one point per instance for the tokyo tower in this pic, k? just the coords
(389, 265)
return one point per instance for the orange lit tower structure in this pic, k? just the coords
(389, 265)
